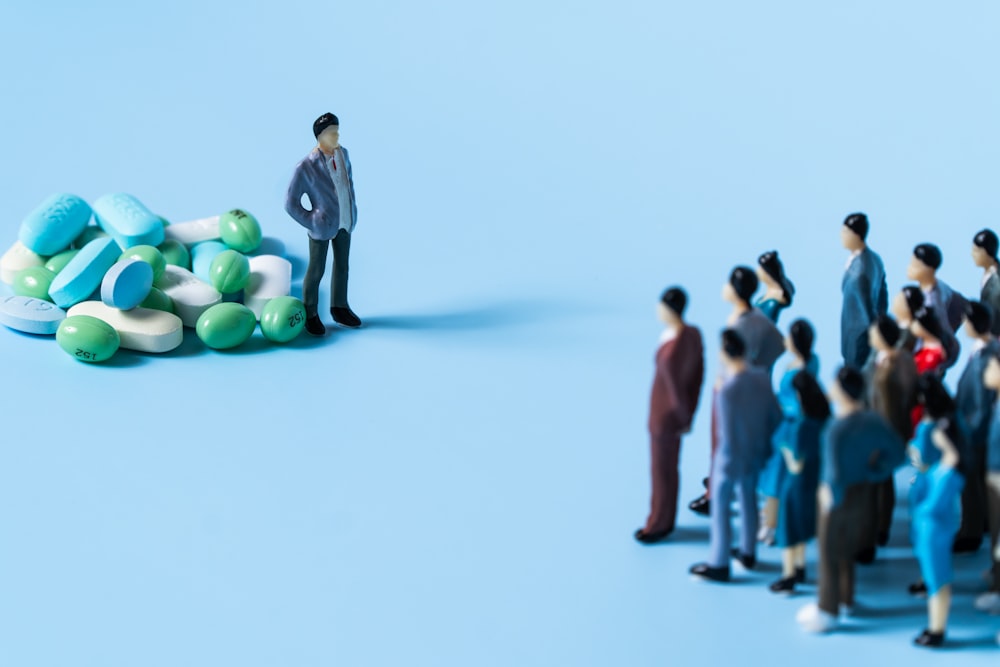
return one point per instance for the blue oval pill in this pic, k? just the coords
(83, 274)
(30, 315)
(53, 225)
(126, 284)
(128, 220)
(202, 255)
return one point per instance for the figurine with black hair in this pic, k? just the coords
(326, 179)
(935, 518)
(748, 414)
(858, 450)
(990, 600)
(799, 344)
(946, 304)
(676, 389)
(905, 306)
(800, 451)
(778, 289)
(864, 288)
(975, 403)
(763, 342)
(984, 254)
(892, 378)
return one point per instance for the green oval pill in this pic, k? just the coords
(282, 319)
(56, 262)
(229, 272)
(34, 282)
(226, 325)
(157, 299)
(174, 252)
(87, 338)
(148, 254)
(239, 230)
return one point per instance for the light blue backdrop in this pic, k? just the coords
(457, 483)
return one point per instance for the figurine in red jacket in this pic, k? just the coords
(680, 371)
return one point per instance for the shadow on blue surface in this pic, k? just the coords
(510, 313)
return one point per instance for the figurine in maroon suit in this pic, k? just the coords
(680, 371)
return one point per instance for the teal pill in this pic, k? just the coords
(282, 319)
(202, 255)
(83, 274)
(148, 254)
(175, 253)
(157, 299)
(34, 282)
(56, 263)
(229, 272)
(226, 325)
(53, 225)
(239, 230)
(128, 220)
(87, 338)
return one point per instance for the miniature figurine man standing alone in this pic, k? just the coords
(325, 177)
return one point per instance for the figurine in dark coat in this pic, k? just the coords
(984, 254)
(763, 342)
(859, 449)
(990, 600)
(947, 304)
(865, 293)
(975, 409)
(680, 370)
(748, 415)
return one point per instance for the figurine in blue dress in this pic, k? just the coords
(799, 484)
(935, 522)
(779, 290)
(800, 344)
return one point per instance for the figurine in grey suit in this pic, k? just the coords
(947, 304)
(866, 295)
(984, 254)
(748, 415)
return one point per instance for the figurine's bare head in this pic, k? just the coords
(854, 231)
(991, 375)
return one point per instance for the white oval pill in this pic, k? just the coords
(194, 231)
(270, 277)
(17, 258)
(140, 329)
(30, 315)
(191, 296)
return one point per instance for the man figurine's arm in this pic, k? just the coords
(293, 200)
(350, 182)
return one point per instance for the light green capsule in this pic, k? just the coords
(89, 234)
(87, 338)
(229, 272)
(175, 253)
(158, 300)
(148, 254)
(282, 319)
(239, 230)
(34, 282)
(56, 262)
(226, 325)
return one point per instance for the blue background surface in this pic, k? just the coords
(457, 483)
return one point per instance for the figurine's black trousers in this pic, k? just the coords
(842, 533)
(974, 522)
(993, 502)
(317, 266)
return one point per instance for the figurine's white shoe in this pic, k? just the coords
(766, 535)
(814, 619)
(988, 602)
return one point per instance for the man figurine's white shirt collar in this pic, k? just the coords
(853, 256)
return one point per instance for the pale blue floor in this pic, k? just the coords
(458, 482)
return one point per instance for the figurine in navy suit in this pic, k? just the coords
(748, 414)
(975, 409)
(763, 342)
(865, 293)
(984, 254)
(859, 449)
(942, 300)
(990, 600)
(325, 178)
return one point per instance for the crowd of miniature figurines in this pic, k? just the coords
(828, 472)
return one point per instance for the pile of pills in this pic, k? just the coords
(134, 281)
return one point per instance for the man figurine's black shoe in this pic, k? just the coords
(883, 538)
(866, 556)
(706, 571)
(651, 538)
(966, 545)
(800, 575)
(749, 561)
(314, 326)
(345, 317)
(928, 638)
(917, 589)
(700, 505)
(784, 585)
